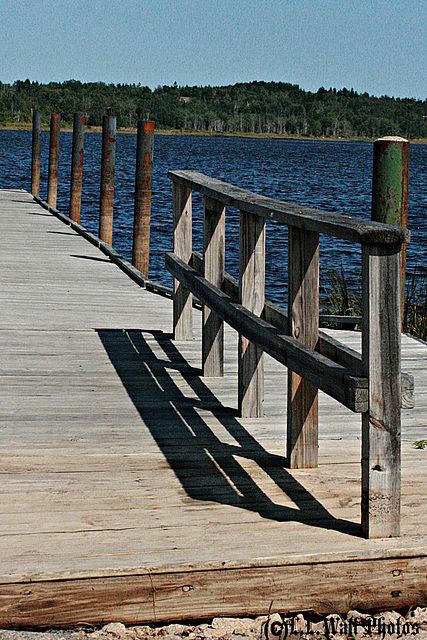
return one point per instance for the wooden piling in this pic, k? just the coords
(52, 180)
(77, 166)
(109, 127)
(36, 150)
(143, 189)
(390, 179)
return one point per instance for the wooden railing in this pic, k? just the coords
(370, 384)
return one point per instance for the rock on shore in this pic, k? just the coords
(389, 625)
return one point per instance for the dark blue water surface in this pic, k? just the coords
(335, 176)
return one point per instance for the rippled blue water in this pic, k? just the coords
(335, 176)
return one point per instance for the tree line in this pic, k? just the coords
(253, 107)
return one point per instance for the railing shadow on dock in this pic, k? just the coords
(200, 460)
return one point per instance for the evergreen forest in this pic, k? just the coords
(272, 108)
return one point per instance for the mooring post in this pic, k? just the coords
(109, 126)
(390, 180)
(77, 166)
(143, 189)
(35, 156)
(52, 179)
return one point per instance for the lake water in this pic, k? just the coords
(335, 176)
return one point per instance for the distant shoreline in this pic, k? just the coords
(212, 134)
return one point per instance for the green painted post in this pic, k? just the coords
(390, 187)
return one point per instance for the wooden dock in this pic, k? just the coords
(131, 490)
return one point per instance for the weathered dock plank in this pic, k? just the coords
(129, 487)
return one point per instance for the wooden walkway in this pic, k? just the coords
(129, 488)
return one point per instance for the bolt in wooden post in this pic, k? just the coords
(35, 157)
(303, 318)
(214, 263)
(143, 188)
(77, 166)
(109, 125)
(252, 296)
(52, 179)
(381, 345)
(390, 187)
(183, 248)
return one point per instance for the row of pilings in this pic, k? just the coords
(143, 177)
(389, 184)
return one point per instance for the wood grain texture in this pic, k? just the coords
(214, 268)
(335, 380)
(77, 166)
(160, 597)
(143, 191)
(288, 213)
(381, 424)
(303, 306)
(125, 474)
(108, 163)
(328, 346)
(183, 246)
(54, 140)
(252, 297)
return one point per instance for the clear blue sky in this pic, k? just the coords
(378, 46)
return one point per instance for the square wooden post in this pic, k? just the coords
(381, 424)
(252, 296)
(183, 247)
(303, 318)
(214, 263)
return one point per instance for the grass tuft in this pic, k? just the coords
(415, 313)
(336, 298)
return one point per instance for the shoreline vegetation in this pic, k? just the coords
(251, 109)
(337, 298)
(27, 126)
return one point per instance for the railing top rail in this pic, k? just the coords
(288, 213)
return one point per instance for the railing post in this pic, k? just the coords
(252, 296)
(183, 248)
(77, 166)
(143, 187)
(381, 344)
(52, 180)
(390, 180)
(214, 263)
(35, 156)
(303, 318)
(107, 178)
